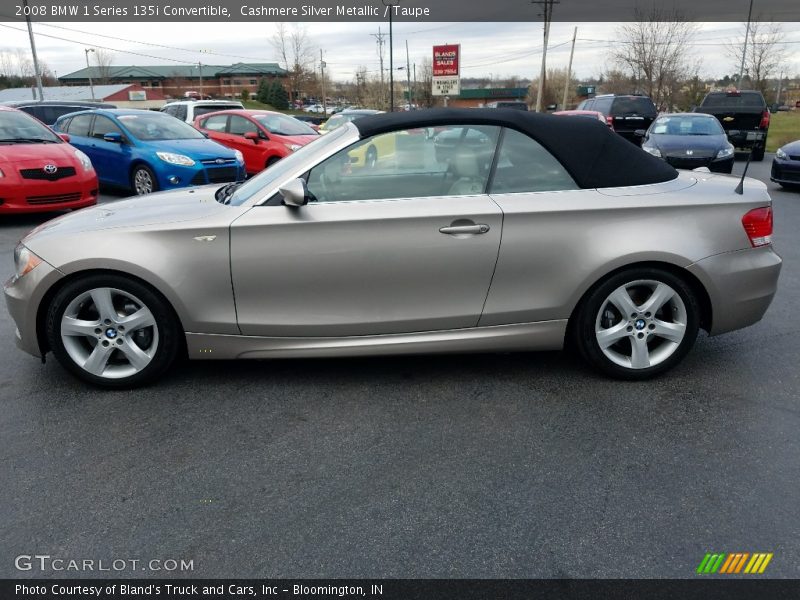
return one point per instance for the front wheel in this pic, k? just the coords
(758, 154)
(112, 331)
(143, 180)
(637, 323)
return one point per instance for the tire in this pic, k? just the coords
(143, 180)
(791, 187)
(758, 154)
(617, 334)
(371, 159)
(272, 160)
(112, 331)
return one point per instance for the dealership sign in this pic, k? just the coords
(446, 70)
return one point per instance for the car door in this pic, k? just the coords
(253, 152)
(111, 160)
(407, 245)
(78, 128)
(547, 232)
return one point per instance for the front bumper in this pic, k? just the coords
(721, 165)
(27, 196)
(740, 285)
(785, 171)
(177, 176)
(23, 297)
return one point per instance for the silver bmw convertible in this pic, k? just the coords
(431, 231)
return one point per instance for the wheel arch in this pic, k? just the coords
(47, 298)
(703, 298)
(140, 162)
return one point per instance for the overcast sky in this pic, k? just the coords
(497, 49)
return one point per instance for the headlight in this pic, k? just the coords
(87, 164)
(781, 154)
(725, 152)
(25, 261)
(652, 150)
(239, 157)
(175, 159)
(293, 147)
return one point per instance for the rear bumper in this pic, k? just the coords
(740, 285)
(741, 138)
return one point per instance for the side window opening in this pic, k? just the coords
(524, 165)
(443, 161)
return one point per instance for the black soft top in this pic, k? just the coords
(593, 155)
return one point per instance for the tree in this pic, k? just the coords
(554, 90)
(764, 56)
(103, 59)
(245, 95)
(295, 55)
(654, 50)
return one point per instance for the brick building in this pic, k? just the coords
(173, 81)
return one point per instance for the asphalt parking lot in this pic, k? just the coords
(508, 465)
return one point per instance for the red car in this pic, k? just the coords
(39, 170)
(590, 114)
(262, 136)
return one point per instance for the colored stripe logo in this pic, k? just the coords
(734, 563)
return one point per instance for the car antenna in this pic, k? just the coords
(740, 188)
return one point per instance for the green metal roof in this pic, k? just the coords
(487, 93)
(173, 71)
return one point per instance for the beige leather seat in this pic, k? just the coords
(468, 174)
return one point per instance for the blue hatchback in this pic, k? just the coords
(147, 151)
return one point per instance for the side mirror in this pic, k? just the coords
(294, 192)
(64, 137)
(251, 135)
(640, 133)
(114, 137)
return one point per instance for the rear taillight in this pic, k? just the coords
(764, 120)
(758, 225)
(610, 121)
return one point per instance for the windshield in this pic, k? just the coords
(733, 100)
(19, 128)
(337, 121)
(283, 125)
(633, 105)
(686, 125)
(204, 110)
(151, 127)
(282, 169)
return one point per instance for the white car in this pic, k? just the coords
(189, 110)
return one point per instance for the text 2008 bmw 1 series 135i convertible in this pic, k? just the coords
(530, 233)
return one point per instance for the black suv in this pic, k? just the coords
(625, 113)
(744, 117)
(48, 111)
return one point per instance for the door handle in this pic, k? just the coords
(464, 229)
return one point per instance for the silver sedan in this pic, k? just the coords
(529, 233)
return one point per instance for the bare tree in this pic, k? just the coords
(615, 81)
(654, 49)
(103, 59)
(554, 88)
(765, 53)
(295, 55)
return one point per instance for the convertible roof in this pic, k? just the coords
(594, 155)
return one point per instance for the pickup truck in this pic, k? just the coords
(744, 117)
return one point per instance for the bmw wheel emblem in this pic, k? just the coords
(50, 169)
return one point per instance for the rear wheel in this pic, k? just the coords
(272, 160)
(112, 331)
(637, 323)
(758, 154)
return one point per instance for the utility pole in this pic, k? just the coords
(200, 71)
(408, 77)
(390, 4)
(744, 50)
(379, 40)
(415, 80)
(322, 71)
(778, 95)
(547, 17)
(569, 70)
(36, 70)
(89, 71)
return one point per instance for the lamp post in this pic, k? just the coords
(390, 4)
(89, 71)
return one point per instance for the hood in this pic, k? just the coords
(792, 148)
(61, 153)
(701, 145)
(153, 210)
(198, 149)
